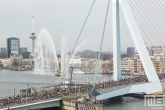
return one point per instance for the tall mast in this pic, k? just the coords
(33, 37)
(32, 24)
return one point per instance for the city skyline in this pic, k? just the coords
(82, 54)
(16, 22)
(48, 18)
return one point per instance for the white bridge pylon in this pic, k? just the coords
(136, 36)
(154, 84)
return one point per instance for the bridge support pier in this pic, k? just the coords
(116, 40)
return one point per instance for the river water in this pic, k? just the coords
(20, 79)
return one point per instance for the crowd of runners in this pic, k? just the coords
(59, 92)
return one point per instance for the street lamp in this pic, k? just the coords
(26, 91)
(109, 79)
(87, 84)
(13, 90)
(75, 85)
(71, 76)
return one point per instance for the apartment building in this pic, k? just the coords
(134, 64)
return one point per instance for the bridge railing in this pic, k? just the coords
(14, 104)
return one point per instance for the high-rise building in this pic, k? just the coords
(3, 52)
(22, 50)
(130, 51)
(13, 45)
(2, 49)
(157, 50)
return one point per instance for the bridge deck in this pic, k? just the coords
(106, 90)
(35, 105)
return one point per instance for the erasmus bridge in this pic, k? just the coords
(128, 10)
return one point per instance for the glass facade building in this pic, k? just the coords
(13, 45)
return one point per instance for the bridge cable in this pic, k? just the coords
(140, 24)
(121, 14)
(125, 26)
(143, 22)
(155, 24)
(98, 60)
(76, 41)
(150, 23)
(157, 18)
(163, 1)
(157, 10)
(156, 7)
(146, 26)
(162, 5)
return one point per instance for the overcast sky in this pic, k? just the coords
(58, 17)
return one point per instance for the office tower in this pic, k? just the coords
(130, 51)
(13, 45)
